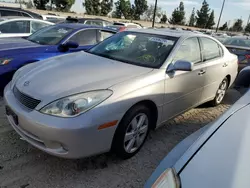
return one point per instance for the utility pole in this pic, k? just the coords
(248, 19)
(220, 15)
(153, 24)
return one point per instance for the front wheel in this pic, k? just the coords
(132, 132)
(221, 92)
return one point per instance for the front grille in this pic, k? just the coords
(26, 100)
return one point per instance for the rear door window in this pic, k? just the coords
(35, 26)
(10, 13)
(102, 35)
(211, 49)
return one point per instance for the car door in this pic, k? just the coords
(15, 28)
(216, 70)
(183, 89)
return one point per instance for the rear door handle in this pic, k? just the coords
(225, 65)
(201, 72)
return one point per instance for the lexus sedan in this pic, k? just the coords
(48, 42)
(215, 156)
(110, 97)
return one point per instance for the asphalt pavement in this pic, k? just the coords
(23, 166)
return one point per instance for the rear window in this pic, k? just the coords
(237, 42)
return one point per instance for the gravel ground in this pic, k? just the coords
(23, 166)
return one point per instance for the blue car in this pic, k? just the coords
(45, 43)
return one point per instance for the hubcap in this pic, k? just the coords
(221, 92)
(136, 133)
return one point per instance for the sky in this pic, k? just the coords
(233, 8)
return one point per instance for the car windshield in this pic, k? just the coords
(237, 42)
(140, 49)
(51, 35)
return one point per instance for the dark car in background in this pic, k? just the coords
(48, 42)
(240, 46)
(9, 11)
(88, 21)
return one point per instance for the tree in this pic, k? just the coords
(106, 7)
(203, 15)
(247, 28)
(140, 6)
(92, 7)
(122, 8)
(150, 12)
(237, 25)
(192, 19)
(63, 5)
(178, 15)
(40, 4)
(164, 18)
(224, 27)
(210, 22)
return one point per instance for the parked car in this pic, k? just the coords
(53, 18)
(111, 96)
(118, 28)
(10, 11)
(215, 156)
(20, 26)
(89, 21)
(240, 46)
(128, 25)
(48, 42)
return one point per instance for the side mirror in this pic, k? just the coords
(180, 65)
(66, 46)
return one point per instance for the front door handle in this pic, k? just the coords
(201, 72)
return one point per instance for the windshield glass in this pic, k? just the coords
(140, 49)
(51, 35)
(237, 42)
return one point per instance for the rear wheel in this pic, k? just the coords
(221, 92)
(132, 132)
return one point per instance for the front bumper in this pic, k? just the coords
(63, 137)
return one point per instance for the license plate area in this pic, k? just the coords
(9, 112)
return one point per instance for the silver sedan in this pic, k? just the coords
(109, 98)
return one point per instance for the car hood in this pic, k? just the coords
(224, 160)
(16, 43)
(74, 73)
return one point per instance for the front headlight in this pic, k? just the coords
(74, 105)
(5, 61)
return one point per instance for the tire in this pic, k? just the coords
(136, 135)
(220, 93)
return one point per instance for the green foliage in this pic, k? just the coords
(164, 19)
(247, 29)
(122, 8)
(237, 25)
(92, 7)
(203, 15)
(140, 6)
(224, 27)
(178, 15)
(40, 4)
(210, 22)
(106, 7)
(192, 19)
(63, 5)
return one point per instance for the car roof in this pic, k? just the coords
(9, 18)
(82, 26)
(33, 14)
(168, 32)
(83, 19)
